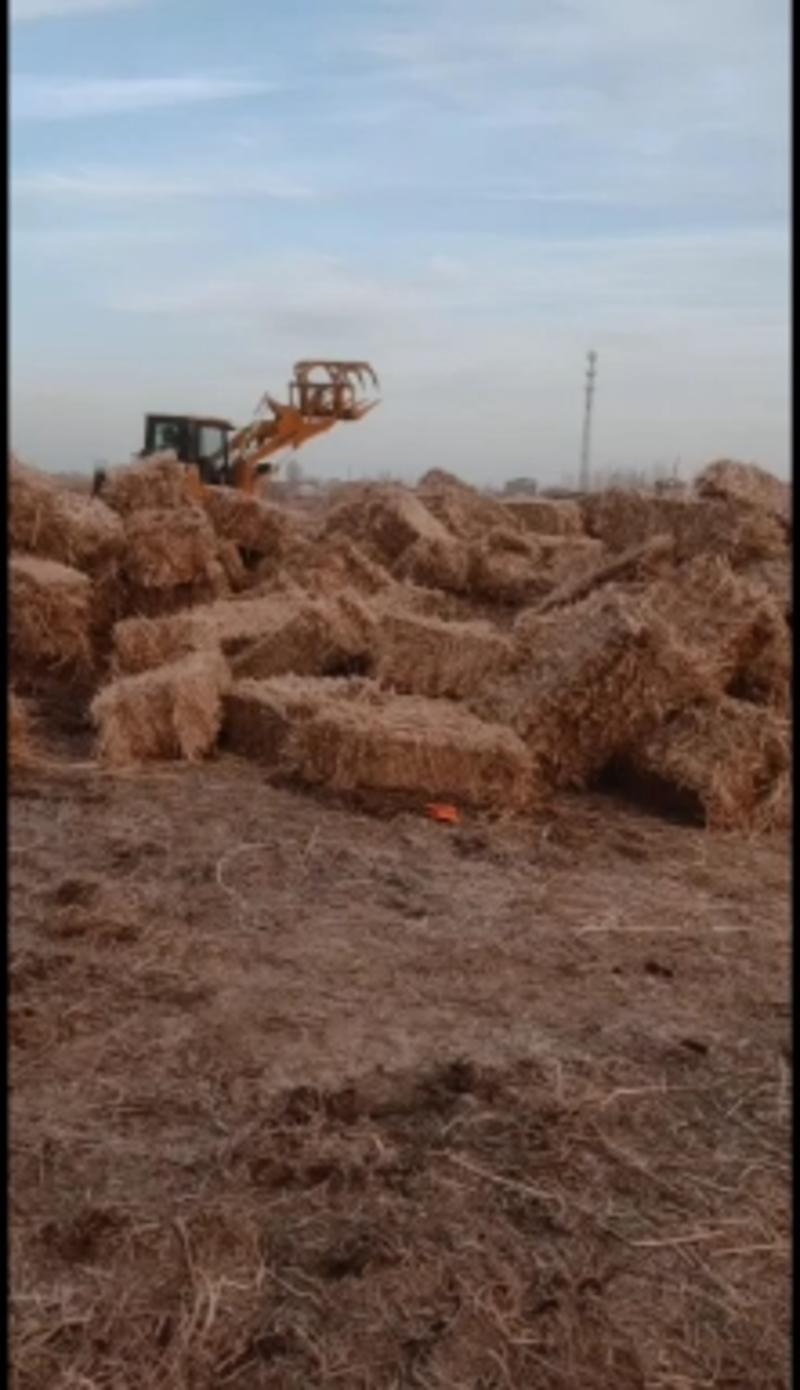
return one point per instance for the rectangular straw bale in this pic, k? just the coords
(544, 516)
(55, 523)
(159, 481)
(260, 714)
(733, 623)
(592, 677)
(50, 618)
(229, 625)
(254, 525)
(322, 637)
(462, 510)
(426, 656)
(168, 547)
(385, 520)
(426, 749)
(437, 563)
(746, 482)
(172, 712)
(721, 526)
(724, 763)
(500, 573)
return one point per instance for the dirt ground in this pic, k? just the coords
(307, 1096)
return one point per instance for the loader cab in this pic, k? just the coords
(199, 440)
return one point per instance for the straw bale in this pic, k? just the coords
(50, 521)
(503, 574)
(49, 618)
(775, 576)
(21, 740)
(544, 516)
(159, 481)
(229, 625)
(426, 656)
(727, 527)
(462, 510)
(441, 563)
(360, 741)
(323, 566)
(746, 482)
(724, 763)
(639, 562)
(735, 624)
(567, 558)
(173, 712)
(385, 520)
(261, 714)
(255, 525)
(591, 678)
(233, 566)
(166, 548)
(322, 637)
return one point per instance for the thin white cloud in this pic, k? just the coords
(52, 99)
(111, 185)
(26, 11)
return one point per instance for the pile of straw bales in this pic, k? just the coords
(431, 643)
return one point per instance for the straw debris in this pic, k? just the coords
(174, 712)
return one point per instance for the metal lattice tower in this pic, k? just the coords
(586, 439)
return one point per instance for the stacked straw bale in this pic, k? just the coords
(592, 678)
(140, 644)
(728, 527)
(745, 482)
(437, 563)
(321, 568)
(384, 520)
(322, 637)
(462, 510)
(724, 763)
(50, 619)
(368, 742)
(451, 660)
(159, 482)
(172, 548)
(47, 520)
(254, 525)
(735, 624)
(169, 713)
(505, 568)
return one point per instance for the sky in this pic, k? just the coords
(468, 194)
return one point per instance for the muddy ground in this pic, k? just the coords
(307, 1096)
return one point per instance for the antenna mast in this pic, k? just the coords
(586, 440)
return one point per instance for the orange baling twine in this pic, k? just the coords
(447, 815)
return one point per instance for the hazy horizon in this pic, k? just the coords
(468, 196)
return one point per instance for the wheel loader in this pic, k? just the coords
(216, 453)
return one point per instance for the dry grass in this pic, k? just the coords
(592, 678)
(725, 763)
(50, 619)
(427, 656)
(169, 713)
(158, 482)
(746, 482)
(46, 519)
